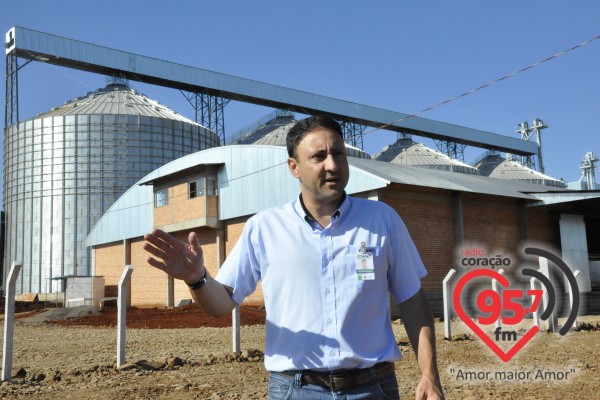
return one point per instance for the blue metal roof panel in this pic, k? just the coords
(566, 196)
(440, 179)
(252, 178)
(255, 177)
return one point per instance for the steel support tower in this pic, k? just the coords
(209, 111)
(526, 131)
(353, 133)
(451, 149)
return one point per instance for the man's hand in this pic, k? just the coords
(179, 259)
(429, 388)
(185, 261)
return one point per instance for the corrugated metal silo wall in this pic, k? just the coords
(62, 173)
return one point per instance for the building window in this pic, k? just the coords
(196, 187)
(161, 198)
(211, 186)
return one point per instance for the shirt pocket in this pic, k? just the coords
(371, 276)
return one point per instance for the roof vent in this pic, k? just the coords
(116, 81)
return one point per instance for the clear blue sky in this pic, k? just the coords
(398, 55)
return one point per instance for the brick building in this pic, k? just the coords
(214, 192)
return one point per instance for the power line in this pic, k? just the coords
(505, 77)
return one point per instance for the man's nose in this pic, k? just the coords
(331, 163)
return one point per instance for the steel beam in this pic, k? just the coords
(75, 54)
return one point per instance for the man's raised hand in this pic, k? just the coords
(179, 259)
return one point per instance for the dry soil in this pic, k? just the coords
(70, 354)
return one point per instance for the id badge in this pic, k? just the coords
(365, 269)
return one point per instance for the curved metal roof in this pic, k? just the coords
(247, 172)
(496, 166)
(115, 99)
(405, 151)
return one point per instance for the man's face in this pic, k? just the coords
(321, 165)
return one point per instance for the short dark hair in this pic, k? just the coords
(304, 126)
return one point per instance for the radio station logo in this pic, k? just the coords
(508, 303)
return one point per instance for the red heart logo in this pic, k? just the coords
(518, 345)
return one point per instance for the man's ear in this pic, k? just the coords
(293, 166)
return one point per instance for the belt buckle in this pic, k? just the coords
(340, 381)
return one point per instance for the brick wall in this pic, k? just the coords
(428, 217)
(427, 212)
(109, 264)
(234, 230)
(542, 226)
(491, 222)
(149, 285)
(181, 208)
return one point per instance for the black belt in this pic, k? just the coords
(344, 379)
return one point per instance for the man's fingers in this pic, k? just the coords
(154, 250)
(162, 239)
(194, 243)
(156, 264)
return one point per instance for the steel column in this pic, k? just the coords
(209, 111)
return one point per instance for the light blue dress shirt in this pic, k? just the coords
(320, 315)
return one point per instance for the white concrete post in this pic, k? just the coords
(235, 313)
(9, 320)
(496, 289)
(447, 304)
(575, 274)
(235, 324)
(536, 317)
(552, 326)
(122, 313)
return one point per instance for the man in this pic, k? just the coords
(320, 307)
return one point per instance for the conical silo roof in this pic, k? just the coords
(496, 166)
(405, 151)
(274, 132)
(115, 99)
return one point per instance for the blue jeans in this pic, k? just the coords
(288, 388)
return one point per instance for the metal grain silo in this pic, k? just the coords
(492, 164)
(405, 151)
(273, 129)
(65, 167)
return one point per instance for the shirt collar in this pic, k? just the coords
(302, 211)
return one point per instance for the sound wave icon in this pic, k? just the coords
(551, 293)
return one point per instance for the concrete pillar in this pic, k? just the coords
(122, 301)
(9, 320)
(457, 219)
(536, 317)
(170, 291)
(127, 261)
(495, 288)
(522, 212)
(447, 304)
(552, 323)
(235, 314)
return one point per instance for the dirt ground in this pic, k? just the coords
(71, 353)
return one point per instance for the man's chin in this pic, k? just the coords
(332, 195)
